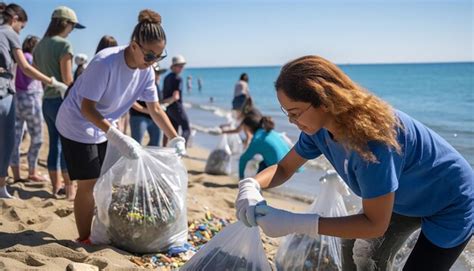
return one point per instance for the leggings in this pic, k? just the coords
(379, 253)
(28, 109)
(7, 132)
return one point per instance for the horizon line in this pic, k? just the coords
(342, 64)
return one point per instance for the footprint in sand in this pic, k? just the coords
(63, 212)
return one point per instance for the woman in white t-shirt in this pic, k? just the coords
(115, 78)
(241, 92)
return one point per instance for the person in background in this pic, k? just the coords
(199, 82)
(81, 62)
(13, 19)
(247, 110)
(53, 56)
(189, 83)
(140, 119)
(106, 42)
(265, 141)
(407, 175)
(173, 96)
(28, 110)
(241, 92)
(115, 78)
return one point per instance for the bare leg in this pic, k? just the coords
(84, 207)
(55, 180)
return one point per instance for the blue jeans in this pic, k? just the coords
(140, 124)
(7, 132)
(56, 159)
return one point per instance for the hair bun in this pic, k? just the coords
(149, 16)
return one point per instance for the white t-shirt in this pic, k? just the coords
(113, 85)
(241, 88)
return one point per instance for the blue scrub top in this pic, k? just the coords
(430, 178)
(268, 144)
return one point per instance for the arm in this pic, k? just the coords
(278, 174)
(89, 111)
(140, 108)
(173, 98)
(66, 69)
(161, 119)
(233, 131)
(29, 70)
(370, 224)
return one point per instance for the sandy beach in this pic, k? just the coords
(38, 231)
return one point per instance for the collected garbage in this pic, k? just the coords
(199, 233)
(219, 161)
(302, 252)
(141, 203)
(236, 248)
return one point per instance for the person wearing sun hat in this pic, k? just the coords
(53, 56)
(173, 96)
(140, 119)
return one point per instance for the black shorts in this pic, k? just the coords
(83, 160)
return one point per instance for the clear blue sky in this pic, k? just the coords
(258, 33)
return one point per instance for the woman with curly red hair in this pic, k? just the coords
(407, 175)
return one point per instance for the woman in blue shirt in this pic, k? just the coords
(266, 142)
(407, 175)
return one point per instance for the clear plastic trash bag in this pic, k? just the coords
(219, 162)
(236, 248)
(235, 143)
(141, 203)
(302, 252)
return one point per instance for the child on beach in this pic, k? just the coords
(115, 78)
(266, 142)
(173, 95)
(407, 175)
(13, 19)
(53, 56)
(28, 97)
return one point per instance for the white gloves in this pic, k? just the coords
(126, 145)
(179, 144)
(248, 198)
(59, 86)
(276, 223)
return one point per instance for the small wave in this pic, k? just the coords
(218, 111)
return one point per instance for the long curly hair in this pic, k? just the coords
(360, 116)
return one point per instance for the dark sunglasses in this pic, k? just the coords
(149, 56)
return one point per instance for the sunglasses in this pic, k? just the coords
(149, 56)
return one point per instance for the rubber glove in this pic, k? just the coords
(179, 144)
(126, 145)
(276, 223)
(215, 131)
(247, 199)
(60, 86)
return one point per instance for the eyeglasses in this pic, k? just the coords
(149, 56)
(294, 117)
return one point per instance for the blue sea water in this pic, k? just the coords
(440, 95)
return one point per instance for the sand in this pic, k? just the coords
(38, 231)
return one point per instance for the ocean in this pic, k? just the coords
(439, 95)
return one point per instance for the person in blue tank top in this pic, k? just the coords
(265, 141)
(407, 175)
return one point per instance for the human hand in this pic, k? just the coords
(247, 199)
(179, 144)
(126, 145)
(276, 223)
(60, 86)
